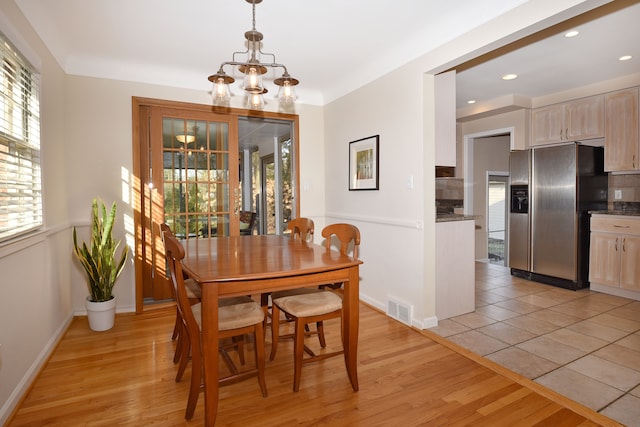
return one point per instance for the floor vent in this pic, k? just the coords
(399, 311)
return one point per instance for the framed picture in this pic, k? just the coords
(364, 163)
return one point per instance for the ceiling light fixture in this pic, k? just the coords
(572, 33)
(253, 70)
(186, 138)
(625, 58)
(509, 76)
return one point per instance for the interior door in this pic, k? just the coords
(193, 171)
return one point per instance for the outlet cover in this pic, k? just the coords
(617, 194)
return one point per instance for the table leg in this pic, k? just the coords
(210, 351)
(351, 323)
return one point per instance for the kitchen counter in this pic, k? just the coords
(455, 268)
(454, 217)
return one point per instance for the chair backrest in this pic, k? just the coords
(164, 228)
(301, 228)
(346, 233)
(247, 217)
(174, 254)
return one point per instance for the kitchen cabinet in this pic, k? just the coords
(614, 261)
(445, 118)
(621, 144)
(576, 120)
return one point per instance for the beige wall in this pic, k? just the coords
(35, 298)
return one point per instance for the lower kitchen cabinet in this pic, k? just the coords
(614, 261)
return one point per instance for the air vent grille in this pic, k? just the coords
(399, 310)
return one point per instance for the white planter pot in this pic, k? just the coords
(101, 314)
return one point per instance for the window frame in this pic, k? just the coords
(21, 203)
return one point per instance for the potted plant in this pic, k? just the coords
(101, 265)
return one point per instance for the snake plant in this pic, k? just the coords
(99, 258)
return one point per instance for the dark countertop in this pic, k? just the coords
(454, 217)
(616, 212)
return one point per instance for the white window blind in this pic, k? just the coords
(20, 178)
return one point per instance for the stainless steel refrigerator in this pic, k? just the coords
(566, 182)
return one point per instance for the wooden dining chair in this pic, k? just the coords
(247, 222)
(314, 306)
(194, 293)
(301, 229)
(236, 317)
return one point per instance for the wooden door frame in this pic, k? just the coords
(140, 134)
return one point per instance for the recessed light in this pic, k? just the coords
(625, 58)
(509, 76)
(471, 101)
(572, 33)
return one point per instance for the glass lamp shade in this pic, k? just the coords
(287, 93)
(255, 101)
(221, 91)
(253, 80)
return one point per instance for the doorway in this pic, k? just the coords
(485, 153)
(198, 170)
(497, 217)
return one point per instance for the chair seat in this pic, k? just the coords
(233, 313)
(291, 292)
(193, 289)
(309, 304)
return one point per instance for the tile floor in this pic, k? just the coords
(583, 344)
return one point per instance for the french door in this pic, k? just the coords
(196, 168)
(192, 185)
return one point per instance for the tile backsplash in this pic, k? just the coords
(449, 194)
(629, 187)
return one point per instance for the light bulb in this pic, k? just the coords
(255, 101)
(287, 92)
(221, 91)
(253, 80)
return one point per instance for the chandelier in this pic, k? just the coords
(253, 69)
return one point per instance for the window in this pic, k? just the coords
(20, 180)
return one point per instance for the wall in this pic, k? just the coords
(35, 302)
(102, 109)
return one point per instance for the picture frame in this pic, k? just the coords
(364, 163)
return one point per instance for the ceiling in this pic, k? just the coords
(548, 62)
(337, 46)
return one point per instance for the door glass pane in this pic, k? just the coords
(196, 177)
(286, 182)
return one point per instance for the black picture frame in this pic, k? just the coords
(364, 164)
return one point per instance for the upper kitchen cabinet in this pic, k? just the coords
(621, 144)
(445, 118)
(576, 120)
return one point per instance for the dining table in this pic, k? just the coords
(259, 264)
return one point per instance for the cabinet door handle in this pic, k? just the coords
(624, 244)
(633, 162)
(561, 134)
(616, 244)
(622, 226)
(566, 134)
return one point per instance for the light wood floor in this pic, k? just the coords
(125, 376)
